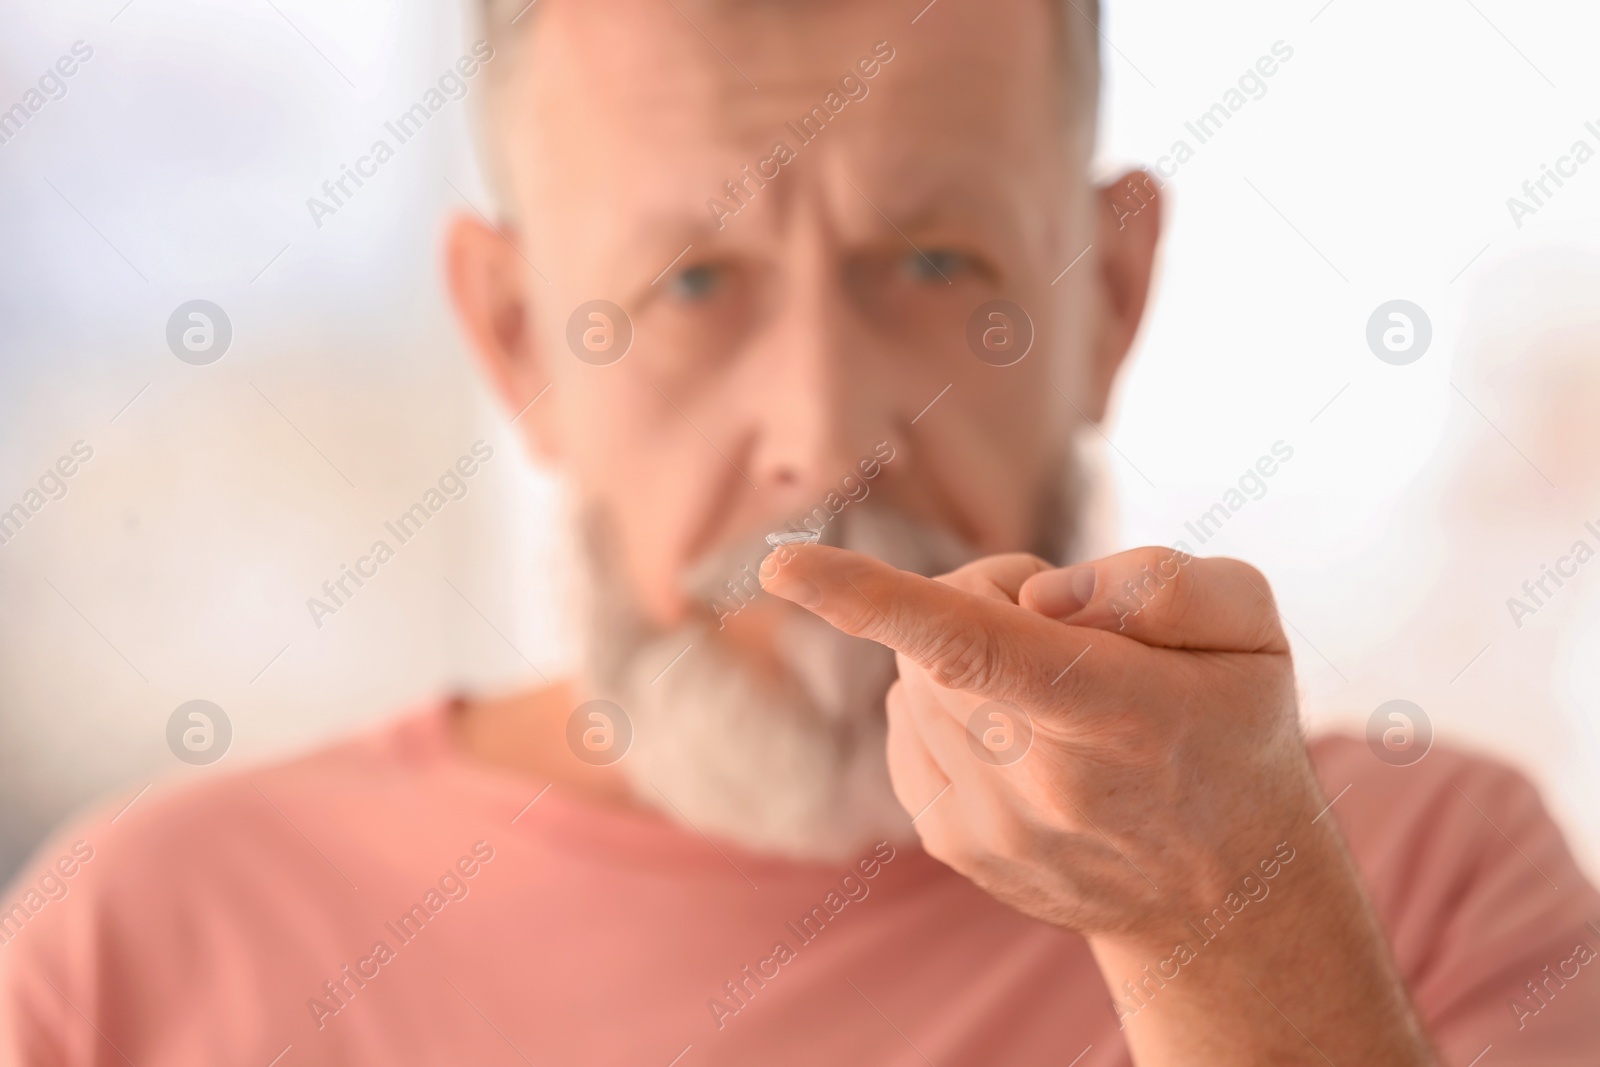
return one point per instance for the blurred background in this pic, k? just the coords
(174, 564)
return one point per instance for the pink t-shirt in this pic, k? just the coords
(387, 901)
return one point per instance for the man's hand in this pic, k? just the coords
(1113, 748)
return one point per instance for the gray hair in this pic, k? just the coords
(1078, 22)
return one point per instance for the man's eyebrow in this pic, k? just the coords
(953, 204)
(655, 243)
(663, 237)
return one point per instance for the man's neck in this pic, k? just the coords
(526, 732)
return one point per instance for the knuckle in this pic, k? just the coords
(1152, 580)
(859, 616)
(1011, 564)
(966, 575)
(949, 848)
(964, 659)
(900, 757)
(1250, 575)
(897, 707)
(983, 576)
(1266, 629)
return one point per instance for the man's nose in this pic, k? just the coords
(815, 372)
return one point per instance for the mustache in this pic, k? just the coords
(881, 531)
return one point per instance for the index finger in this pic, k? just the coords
(974, 644)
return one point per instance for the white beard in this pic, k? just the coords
(792, 765)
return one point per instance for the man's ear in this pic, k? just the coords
(488, 286)
(1130, 229)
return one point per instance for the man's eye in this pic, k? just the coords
(934, 265)
(695, 283)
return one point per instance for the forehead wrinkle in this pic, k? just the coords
(766, 36)
(669, 80)
(661, 120)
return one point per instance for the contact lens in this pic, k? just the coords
(794, 537)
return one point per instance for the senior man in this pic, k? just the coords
(840, 266)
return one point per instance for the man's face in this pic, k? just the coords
(780, 335)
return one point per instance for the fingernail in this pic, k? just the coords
(1062, 592)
